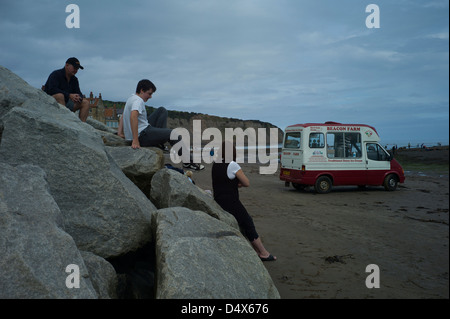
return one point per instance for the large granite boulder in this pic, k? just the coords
(103, 210)
(201, 257)
(64, 201)
(34, 248)
(139, 165)
(172, 189)
(102, 275)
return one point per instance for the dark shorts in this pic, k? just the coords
(70, 105)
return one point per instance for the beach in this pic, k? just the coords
(325, 242)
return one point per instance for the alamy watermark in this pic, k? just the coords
(373, 280)
(256, 146)
(373, 19)
(73, 279)
(73, 19)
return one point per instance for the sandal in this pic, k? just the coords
(270, 258)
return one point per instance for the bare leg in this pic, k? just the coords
(120, 129)
(84, 112)
(59, 97)
(260, 249)
(84, 109)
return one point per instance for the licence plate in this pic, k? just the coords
(287, 173)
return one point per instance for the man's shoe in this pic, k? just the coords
(199, 167)
(196, 167)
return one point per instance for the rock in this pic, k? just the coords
(65, 202)
(171, 189)
(110, 139)
(102, 275)
(100, 126)
(34, 248)
(139, 165)
(108, 134)
(200, 257)
(136, 273)
(15, 91)
(103, 210)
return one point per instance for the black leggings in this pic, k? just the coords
(235, 208)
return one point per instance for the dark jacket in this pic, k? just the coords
(57, 83)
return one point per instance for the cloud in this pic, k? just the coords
(282, 62)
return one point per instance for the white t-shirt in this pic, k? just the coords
(134, 103)
(232, 169)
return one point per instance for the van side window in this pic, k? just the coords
(376, 153)
(316, 140)
(344, 145)
(292, 140)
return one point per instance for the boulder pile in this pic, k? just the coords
(83, 215)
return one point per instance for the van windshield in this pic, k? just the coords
(292, 140)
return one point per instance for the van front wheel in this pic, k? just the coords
(323, 185)
(390, 182)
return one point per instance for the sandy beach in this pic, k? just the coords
(325, 242)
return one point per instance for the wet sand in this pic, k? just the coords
(325, 242)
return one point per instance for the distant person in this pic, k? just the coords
(394, 148)
(63, 85)
(227, 177)
(143, 130)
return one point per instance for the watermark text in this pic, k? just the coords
(256, 146)
(73, 19)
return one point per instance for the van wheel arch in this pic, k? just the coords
(323, 184)
(390, 182)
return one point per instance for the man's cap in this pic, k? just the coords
(74, 62)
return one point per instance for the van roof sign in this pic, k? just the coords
(333, 126)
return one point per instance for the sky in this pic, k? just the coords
(279, 61)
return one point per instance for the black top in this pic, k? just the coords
(222, 185)
(57, 83)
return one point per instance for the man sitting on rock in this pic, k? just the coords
(141, 130)
(63, 85)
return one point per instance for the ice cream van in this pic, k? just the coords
(332, 154)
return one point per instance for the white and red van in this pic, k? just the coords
(332, 154)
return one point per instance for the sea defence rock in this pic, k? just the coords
(139, 165)
(109, 135)
(200, 257)
(35, 250)
(103, 210)
(102, 275)
(172, 189)
(64, 201)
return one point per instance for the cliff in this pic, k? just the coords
(185, 120)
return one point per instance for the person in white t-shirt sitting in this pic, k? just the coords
(143, 130)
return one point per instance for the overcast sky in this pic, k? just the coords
(279, 61)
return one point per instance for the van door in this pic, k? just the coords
(292, 154)
(377, 163)
(345, 158)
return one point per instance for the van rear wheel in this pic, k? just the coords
(323, 185)
(390, 182)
